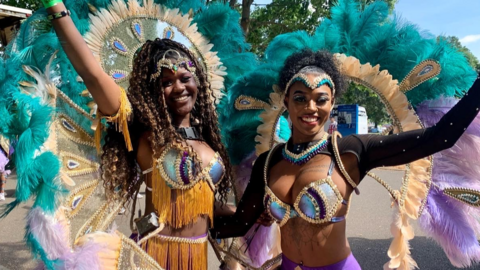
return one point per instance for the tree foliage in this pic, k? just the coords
(472, 60)
(363, 96)
(28, 4)
(283, 16)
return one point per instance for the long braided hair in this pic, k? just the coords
(120, 170)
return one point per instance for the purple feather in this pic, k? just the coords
(451, 223)
(83, 258)
(50, 234)
(3, 162)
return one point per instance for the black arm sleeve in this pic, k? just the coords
(375, 150)
(249, 208)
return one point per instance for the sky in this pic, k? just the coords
(459, 18)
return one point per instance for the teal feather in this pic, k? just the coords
(183, 5)
(50, 189)
(213, 19)
(240, 126)
(327, 36)
(2, 70)
(345, 15)
(33, 178)
(367, 23)
(38, 252)
(219, 23)
(284, 45)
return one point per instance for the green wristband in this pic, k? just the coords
(51, 3)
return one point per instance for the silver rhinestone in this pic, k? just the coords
(224, 223)
(246, 223)
(403, 150)
(418, 137)
(254, 206)
(381, 141)
(451, 124)
(445, 140)
(465, 129)
(243, 211)
(477, 109)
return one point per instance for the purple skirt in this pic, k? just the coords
(350, 263)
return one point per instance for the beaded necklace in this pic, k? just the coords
(305, 156)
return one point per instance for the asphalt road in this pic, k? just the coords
(368, 230)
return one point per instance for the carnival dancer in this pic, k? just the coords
(306, 183)
(169, 125)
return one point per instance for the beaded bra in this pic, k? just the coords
(176, 167)
(317, 203)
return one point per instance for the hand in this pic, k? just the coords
(265, 219)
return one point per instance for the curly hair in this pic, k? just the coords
(321, 59)
(150, 111)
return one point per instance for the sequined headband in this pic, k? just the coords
(317, 82)
(181, 62)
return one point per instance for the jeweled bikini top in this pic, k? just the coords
(317, 202)
(176, 167)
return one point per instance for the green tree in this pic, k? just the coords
(29, 4)
(455, 42)
(363, 96)
(284, 16)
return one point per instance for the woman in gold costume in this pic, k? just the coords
(166, 125)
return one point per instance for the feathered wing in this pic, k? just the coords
(45, 106)
(451, 216)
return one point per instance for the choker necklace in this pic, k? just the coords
(190, 133)
(305, 156)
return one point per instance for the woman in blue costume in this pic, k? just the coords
(306, 183)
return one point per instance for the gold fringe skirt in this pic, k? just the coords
(178, 253)
(178, 208)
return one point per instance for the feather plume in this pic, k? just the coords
(453, 224)
(49, 233)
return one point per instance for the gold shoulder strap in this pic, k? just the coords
(340, 163)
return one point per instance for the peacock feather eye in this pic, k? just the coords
(137, 29)
(119, 75)
(119, 47)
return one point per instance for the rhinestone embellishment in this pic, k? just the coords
(76, 201)
(68, 126)
(72, 164)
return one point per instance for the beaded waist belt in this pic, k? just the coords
(188, 240)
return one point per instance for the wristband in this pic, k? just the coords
(51, 3)
(58, 15)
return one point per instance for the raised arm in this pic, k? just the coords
(249, 209)
(104, 90)
(375, 150)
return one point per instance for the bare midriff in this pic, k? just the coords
(314, 245)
